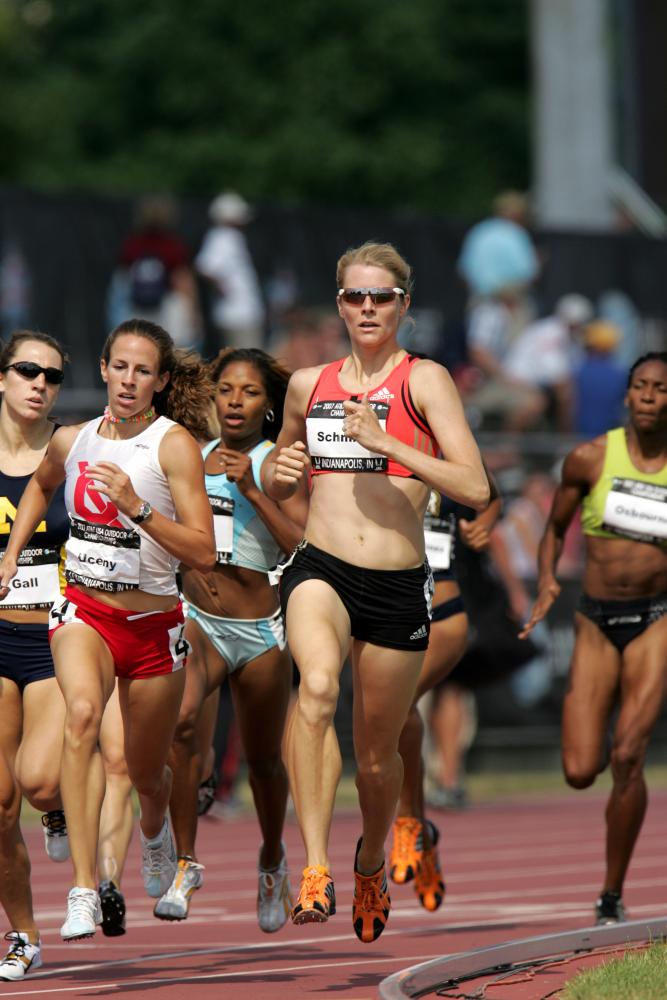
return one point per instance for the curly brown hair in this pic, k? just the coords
(187, 396)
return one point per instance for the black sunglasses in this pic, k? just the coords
(30, 370)
(378, 296)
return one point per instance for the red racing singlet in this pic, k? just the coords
(332, 451)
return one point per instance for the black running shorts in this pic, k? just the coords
(623, 621)
(387, 607)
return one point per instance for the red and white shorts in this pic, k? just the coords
(142, 644)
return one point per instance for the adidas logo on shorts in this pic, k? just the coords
(420, 633)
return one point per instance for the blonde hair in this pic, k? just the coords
(372, 254)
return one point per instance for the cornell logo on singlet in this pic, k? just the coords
(90, 504)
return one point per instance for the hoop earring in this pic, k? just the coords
(270, 416)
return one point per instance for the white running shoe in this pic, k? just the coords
(274, 897)
(158, 861)
(84, 913)
(56, 842)
(21, 958)
(175, 903)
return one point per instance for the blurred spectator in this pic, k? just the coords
(14, 289)
(544, 356)
(224, 259)
(619, 309)
(154, 278)
(493, 325)
(600, 382)
(514, 545)
(498, 255)
(310, 339)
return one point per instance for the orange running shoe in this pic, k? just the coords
(371, 903)
(407, 849)
(317, 897)
(429, 884)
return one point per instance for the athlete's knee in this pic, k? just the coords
(318, 697)
(83, 720)
(186, 728)
(150, 784)
(40, 789)
(578, 772)
(375, 772)
(626, 762)
(265, 768)
(10, 801)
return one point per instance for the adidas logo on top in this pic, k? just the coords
(382, 393)
(420, 633)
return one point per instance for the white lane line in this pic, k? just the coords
(127, 984)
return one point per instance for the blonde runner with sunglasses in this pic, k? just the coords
(376, 424)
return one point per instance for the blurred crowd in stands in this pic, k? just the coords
(519, 370)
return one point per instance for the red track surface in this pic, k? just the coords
(514, 869)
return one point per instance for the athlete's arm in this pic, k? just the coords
(477, 534)
(460, 475)
(35, 500)
(579, 471)
(285, 519)
(287, 464)
(190, 538)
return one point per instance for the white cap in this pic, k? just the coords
(230, 207)
(574, 309)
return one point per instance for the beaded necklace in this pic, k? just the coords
(147, 415)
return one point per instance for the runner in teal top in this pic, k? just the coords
(235, 627)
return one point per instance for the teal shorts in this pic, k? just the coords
(240, 640)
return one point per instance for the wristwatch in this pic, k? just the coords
(145, 511)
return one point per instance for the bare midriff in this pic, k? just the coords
(230, 592)
(369, 519)
(623, 569)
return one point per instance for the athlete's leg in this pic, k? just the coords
(85, 672)
(589, 698)
(150, 711)
(40, 750)
(261, 693)
(385, 681)
(643, 686)
(205, 671)
(447, 643)
(117, 819)
(208, 718)
(318, 634)
(15, 893)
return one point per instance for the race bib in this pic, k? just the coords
(37, 583)
(636, 510)
(102, 557)
(223, 527)
(438, 541)
(331, 450)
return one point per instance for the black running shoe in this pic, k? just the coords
(609, 908)
(206, 794)
(113, 909)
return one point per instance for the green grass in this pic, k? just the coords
(638, 975)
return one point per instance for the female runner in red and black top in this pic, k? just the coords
(376, 424)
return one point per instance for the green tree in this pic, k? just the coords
(421, 104)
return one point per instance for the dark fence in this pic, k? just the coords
(70, 245)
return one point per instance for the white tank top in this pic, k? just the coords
(105, 550)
